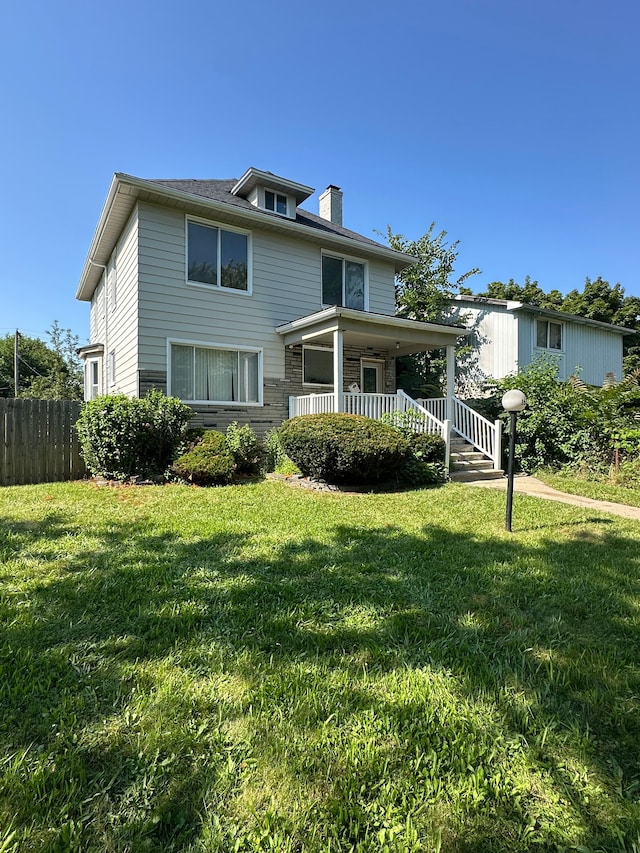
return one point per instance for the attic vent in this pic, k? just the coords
(331, 204)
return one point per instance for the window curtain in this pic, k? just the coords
(216, 375)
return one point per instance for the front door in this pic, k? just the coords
(371, 376)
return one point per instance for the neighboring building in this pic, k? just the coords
(227, 294)
(508, 335)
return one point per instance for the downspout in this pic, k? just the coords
(105, 359)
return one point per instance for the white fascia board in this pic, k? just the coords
(398, 323)
(98, 251)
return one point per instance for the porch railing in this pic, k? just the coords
(373, 406)
(470, 425)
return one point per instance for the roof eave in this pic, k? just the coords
(100, 249)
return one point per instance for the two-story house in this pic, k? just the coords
(232, 297)
(509, 335)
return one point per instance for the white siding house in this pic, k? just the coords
(509, 335)
(230, 295)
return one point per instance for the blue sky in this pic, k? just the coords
(512, 124)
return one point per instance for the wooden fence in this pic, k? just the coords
(38, 441)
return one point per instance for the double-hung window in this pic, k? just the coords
(213, 374)
(548, 335)
(217, 256)
(343, 282)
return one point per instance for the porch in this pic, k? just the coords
(449, 418)
(336, 331)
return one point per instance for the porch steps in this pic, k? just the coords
(469, 464)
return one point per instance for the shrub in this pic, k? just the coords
(556, 427)
(121, 437)
(628, 474)
(208, 462)
(245, 448)
(275, 459)
(424, 462)
(343, 448)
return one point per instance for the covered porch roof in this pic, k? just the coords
(362, 328)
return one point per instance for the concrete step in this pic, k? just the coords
(467, 456)
(475, 474)
(469, 465)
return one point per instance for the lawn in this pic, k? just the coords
(256, 668)
(600, 488)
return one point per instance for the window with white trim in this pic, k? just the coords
(548, 335)
(277, 202)
(217, 256)
(112, 367)
(343, 282)
(212, 374)
(317, 365)
(92, 379)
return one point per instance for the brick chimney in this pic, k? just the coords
(331, 204)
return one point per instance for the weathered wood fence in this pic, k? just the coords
(38, 441)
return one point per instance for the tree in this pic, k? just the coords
(45, 372)
(424, 292)
(530, 292)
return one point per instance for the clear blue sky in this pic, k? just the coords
(514, 125)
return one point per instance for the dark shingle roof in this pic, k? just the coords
(220, 191)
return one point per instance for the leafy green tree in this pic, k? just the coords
(530, 292)
(424, 292)
(50, 372)
(36, 360)
(64, 381)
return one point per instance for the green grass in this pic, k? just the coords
(598, 488)
(258, 668)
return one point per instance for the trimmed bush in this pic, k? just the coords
(245, 448)
(122, 437)
(343, 448)
(208, 462)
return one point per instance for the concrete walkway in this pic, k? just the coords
(532, 486)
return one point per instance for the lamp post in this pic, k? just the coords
(512, 402)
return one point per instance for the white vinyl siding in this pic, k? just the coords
(286, 286)
(507, 341)
(114, 311)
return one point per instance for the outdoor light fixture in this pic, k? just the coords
(512, 402)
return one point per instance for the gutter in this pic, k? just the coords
(400, 260)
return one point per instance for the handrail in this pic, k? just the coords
(478, 431)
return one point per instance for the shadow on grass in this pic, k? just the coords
(545, 637)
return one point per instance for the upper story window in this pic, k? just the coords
(343, 282)
(276, 202)
(548, 335)
(217, 256)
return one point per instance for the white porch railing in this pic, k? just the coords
(374, 406)
(473, 427)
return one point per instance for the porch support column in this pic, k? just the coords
(451, 379)
(338, 376)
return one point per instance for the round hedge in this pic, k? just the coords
(342, 448)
